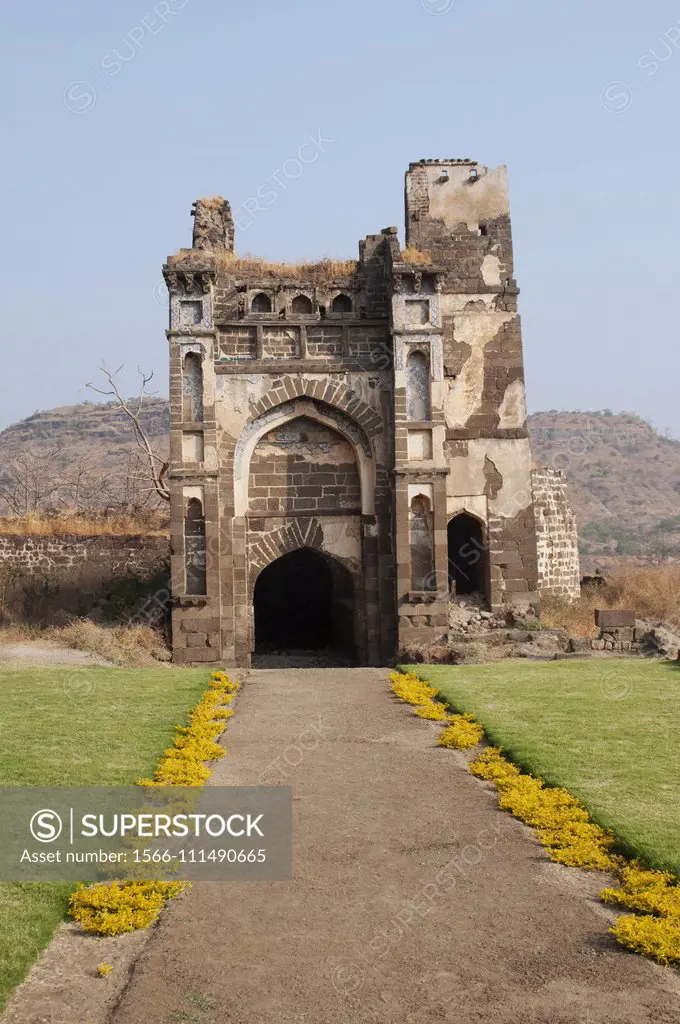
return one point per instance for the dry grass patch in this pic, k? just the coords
(85, 525)
(321, 271)
(653, 593)
(134, 646)
(412, 255)
(317, 272)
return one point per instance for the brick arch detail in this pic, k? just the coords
(332, 417)
(265, 548)
(334, 393)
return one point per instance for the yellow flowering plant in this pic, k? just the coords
(564, 827)
(112, 908)
(462, 733)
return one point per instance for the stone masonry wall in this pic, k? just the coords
(303, 467)
(43, 577)
(559, 569)
(116, 556)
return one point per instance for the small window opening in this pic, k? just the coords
(342, 304)
(302, 304)
(261, 304)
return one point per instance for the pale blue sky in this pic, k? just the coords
(217, 97)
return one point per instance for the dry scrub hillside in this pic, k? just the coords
(77, 462)
(624, 480)
(624, 477)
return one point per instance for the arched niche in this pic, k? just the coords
(341, 304)
(302, 304)
(261, 303)
(281, 415)
(417, 387)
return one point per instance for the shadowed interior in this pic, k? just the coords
(467, 556)
(304, 602)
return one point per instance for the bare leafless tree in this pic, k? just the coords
(663, 546)
(156, 467)
(28, 482)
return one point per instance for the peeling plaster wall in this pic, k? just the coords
(475, 331)
(513, 409)
(459, 213)
(456, 201)
(235, 397)
(512, 461)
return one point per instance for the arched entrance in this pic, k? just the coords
(468, 556)
(303, 606)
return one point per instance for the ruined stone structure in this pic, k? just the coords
(559, 568)
(349, 440)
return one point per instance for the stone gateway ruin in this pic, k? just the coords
(349, 446)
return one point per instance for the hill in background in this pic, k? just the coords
(624, 477)
(80, 457)
(624, 480)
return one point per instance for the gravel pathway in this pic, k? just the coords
(414, 899)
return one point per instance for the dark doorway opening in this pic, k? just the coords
(467, 556)
(304, 607)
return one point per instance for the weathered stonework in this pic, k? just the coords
(103, 556)
(44, 578)
(559, 570)
(372, 417)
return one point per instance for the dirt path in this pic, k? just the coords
(43, 654)
(414, 898)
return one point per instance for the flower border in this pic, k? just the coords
(113, 908)
(564, 827)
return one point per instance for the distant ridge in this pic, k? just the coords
(624, 480)
(624, 477)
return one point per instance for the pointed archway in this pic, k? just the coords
(303, 605)
(468, 556)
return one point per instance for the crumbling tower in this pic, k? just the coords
(349, 447)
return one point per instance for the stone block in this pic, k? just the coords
(201, 655)
(196, 625)
(614, 618)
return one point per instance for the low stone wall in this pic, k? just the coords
(39, 556)
(559, 570)
(619, 631)
(45, 578)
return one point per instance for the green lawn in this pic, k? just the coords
(83, 727)
(608, 731)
